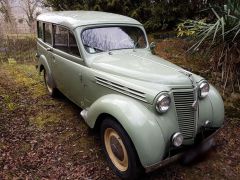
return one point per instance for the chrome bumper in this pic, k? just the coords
(205, 145)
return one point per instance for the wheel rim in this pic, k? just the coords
(47, 82)
(116, 149)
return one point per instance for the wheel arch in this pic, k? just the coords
(41, 68)
(44, 65)
(100, 119)
(137, 121)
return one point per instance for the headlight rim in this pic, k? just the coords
(160, 98)
(200, 86)
(174, 138)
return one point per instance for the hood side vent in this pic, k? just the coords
(122, 89)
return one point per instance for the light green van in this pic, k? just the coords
(148, 110)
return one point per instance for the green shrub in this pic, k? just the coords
(18, 48)
(222, 38)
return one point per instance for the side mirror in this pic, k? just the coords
(152, 46)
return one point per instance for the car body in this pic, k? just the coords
(128, 84)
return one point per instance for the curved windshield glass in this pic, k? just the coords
(112, 38)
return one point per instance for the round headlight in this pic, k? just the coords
(177, 139)
(203, 89)
(163, 103)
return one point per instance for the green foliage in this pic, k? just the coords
(154, 14)
(221, 36)
(225, 30)
(187, 28)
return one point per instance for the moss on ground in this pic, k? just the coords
(44, 119)
(23, 148)
(8, 103)
(26, 75)
(45, 137)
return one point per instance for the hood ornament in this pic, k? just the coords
(189, 75)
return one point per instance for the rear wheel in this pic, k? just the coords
(51, 90)
(119, 149)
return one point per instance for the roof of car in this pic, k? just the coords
(73, 19)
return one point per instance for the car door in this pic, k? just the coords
(68, 64)
(48, 41)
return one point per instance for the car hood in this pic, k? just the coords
(141, 66)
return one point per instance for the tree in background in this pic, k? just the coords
(30, 7)
(154, 14)
(6, 13)
(5, 10)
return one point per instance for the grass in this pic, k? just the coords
(26, 75)
(43, 119)
(43, 128)
(53, 139)
(20, 48)
(21, 36)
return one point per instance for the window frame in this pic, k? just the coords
(113, 25)
(54, 25)
(40, 24)
(51, 32)
(69, 31)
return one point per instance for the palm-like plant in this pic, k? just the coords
(223, 38)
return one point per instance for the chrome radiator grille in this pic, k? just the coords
(185, 112)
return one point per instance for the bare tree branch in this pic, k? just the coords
(30, 8)
(5, 10)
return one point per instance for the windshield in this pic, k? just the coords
(112, 38)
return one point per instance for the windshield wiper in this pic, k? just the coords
(134, 47)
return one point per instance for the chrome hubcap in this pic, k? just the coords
(116, 149)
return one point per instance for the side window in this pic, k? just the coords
(64, 40)
(73, 48)
(48, 33)
(61, 38)
(40, 29)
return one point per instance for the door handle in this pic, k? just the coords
(49, 49)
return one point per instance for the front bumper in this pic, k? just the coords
(198, 148)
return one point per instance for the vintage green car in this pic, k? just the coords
(148, 110)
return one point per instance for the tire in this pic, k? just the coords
(52, 91)
(119, 150)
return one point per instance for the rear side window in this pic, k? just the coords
(61, 38)
(64, 40)
(48, 33)
(40, 29)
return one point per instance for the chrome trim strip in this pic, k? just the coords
(121, 89)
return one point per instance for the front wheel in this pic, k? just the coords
(51, 90)
(119, 149)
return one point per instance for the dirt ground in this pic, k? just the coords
(45, 138)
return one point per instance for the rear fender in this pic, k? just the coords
(44, 63)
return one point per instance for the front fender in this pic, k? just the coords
(137, 121)
(211, 108)
(217, 107)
